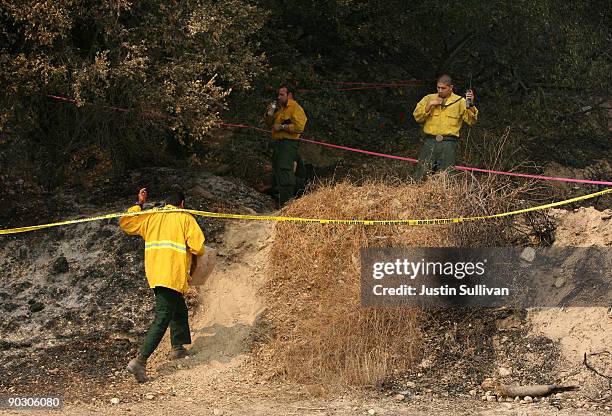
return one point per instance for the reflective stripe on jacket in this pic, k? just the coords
(170, 240)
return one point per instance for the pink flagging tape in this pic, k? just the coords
(409, 159)
(335, 146)
(541, 177)
(367, 152)
(110, 108)
(352, 149)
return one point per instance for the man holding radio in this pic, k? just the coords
(287, 120)
(442, 114)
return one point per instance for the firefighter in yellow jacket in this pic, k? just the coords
(287, 120)
(171, 240)
(442, 114)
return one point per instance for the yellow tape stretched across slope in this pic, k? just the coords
(311, 220)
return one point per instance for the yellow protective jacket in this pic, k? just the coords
(170, 240)
(292, 116)
(446, 121)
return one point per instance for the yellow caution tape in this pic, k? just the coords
(311, 220)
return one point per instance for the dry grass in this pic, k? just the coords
(321, 334)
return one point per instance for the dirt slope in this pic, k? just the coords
(221, 377)
(580, 331)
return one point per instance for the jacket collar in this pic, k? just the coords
(451, 100)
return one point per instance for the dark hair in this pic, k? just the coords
(445, 79)
(175, 198)
(289, 88)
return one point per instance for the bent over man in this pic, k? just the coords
(171, 238)
(442, 114)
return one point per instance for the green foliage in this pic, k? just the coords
(503, 43)
(171, 63)
(534, 64)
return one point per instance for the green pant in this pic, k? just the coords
(284, 153)
(170, 309)
(435, 156)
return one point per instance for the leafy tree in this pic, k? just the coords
(171, 63)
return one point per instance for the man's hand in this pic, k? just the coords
(194, 265)
(272, 108)
(142, 196)
(431, 103)
(469, 95)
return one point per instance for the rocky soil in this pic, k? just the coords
(74, 299)
(75, 302)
